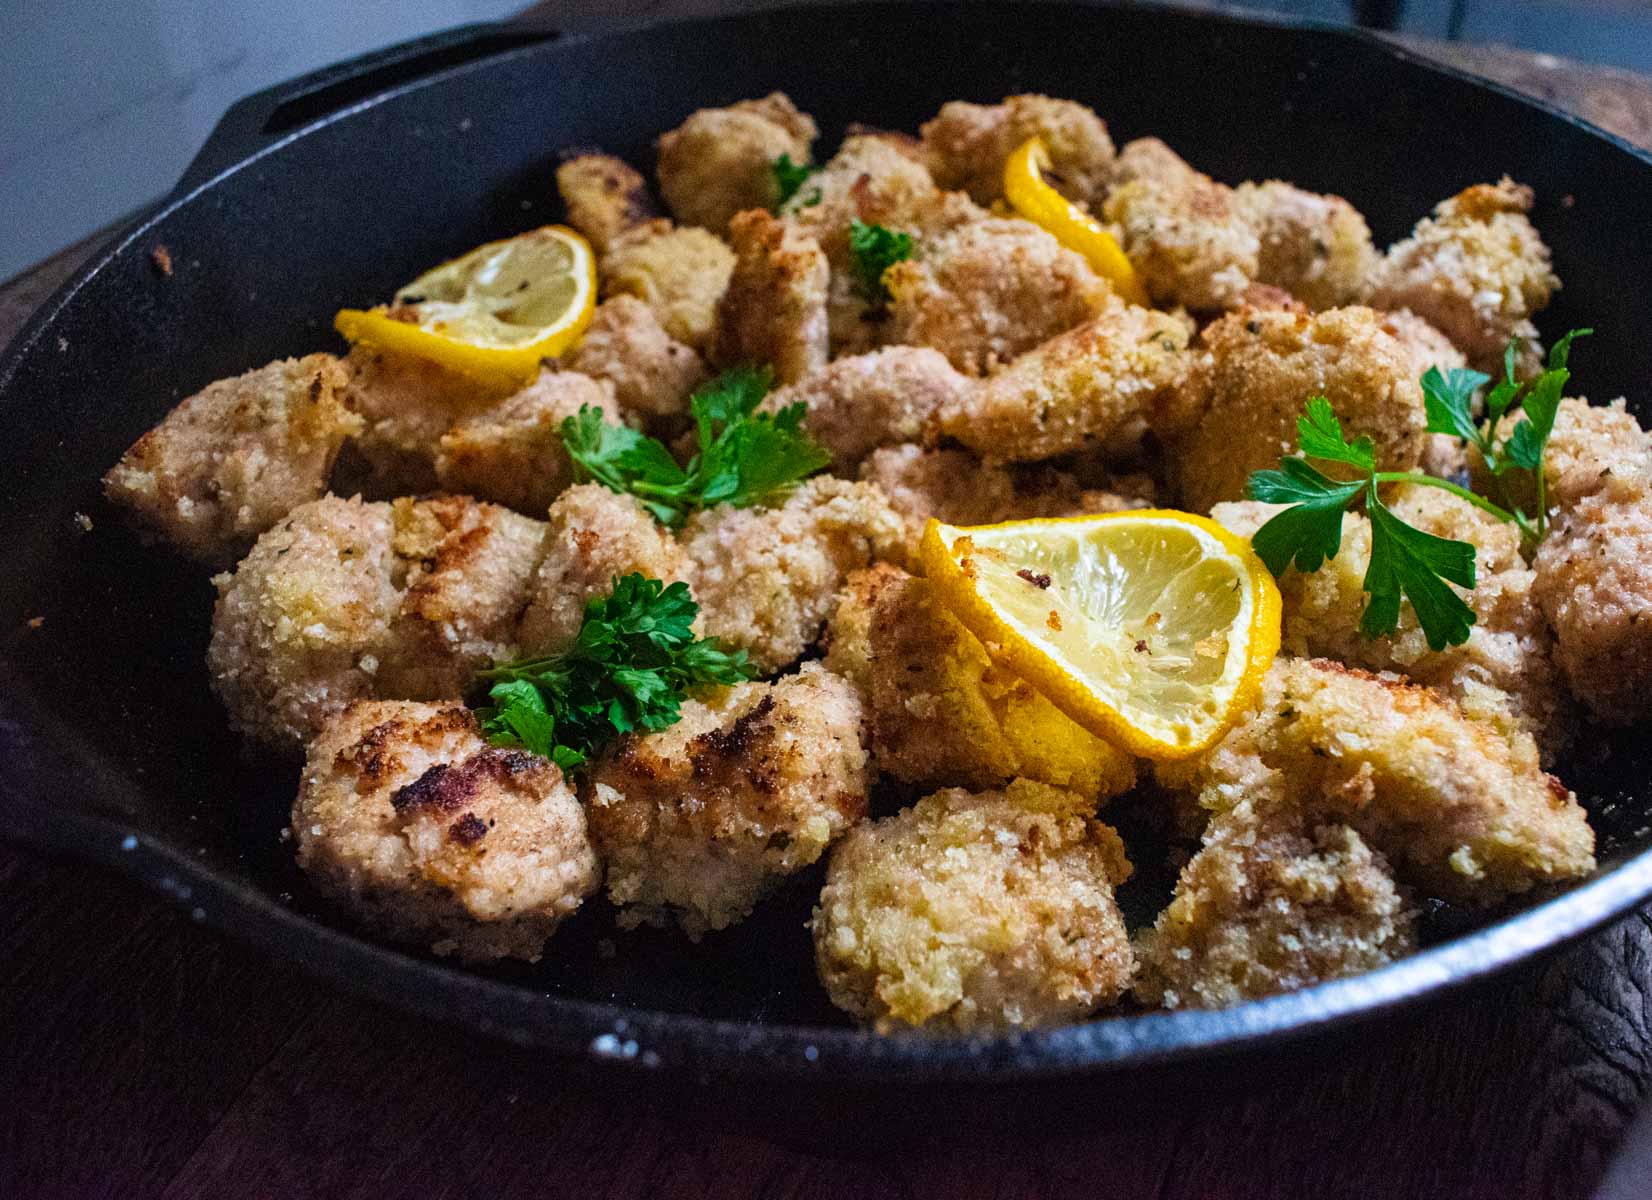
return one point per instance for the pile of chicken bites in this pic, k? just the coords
(386, 529)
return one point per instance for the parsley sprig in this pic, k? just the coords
(789, 178)
(1406, 562)
(744, 458)
(635, 659)
(873, 250)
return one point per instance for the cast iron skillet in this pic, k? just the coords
(335, 189)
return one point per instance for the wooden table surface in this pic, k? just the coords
(143, 1056)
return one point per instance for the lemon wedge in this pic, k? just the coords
(492, 314)
(1151, 629)
(1033, 198)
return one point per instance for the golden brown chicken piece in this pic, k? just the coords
(1476, 268)
(652, 374)
(944, 714)
(1272, 903)
(1460, 808)
(720, 161)
(511, 452)
(975, 913)
(775, 309)
(848, 637)
(1077, 390)
(859, 403)
(604, 197)
(766, 579)
(967, 144)
(237, 456)
(407, 404)
(679, 273)
(1241, 400)
(425, 834)
(1592, 449)
(1317, 248)
(701, 820)
(1504, 673)
(985, 292)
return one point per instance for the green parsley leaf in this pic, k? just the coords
(745, 458)
(873, 250)
(634, 660)
(789, 177)
(1319, 435)
(1418, 564)
(1308, 533)
(1448, 400)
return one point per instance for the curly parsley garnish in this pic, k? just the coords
(873, 250)
(1407, 562)
(789, 178)
(633, 662)
(745, 458)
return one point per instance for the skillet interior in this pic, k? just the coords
(106, 725)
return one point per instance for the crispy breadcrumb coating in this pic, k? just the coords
(1504, 673)
(701, 820)
(511, 452)
(1476, 268)
(592, 535)
(345, 601)
(1594, 582)
(943, 713)
(1461, 808)
(775, 309)
(720, 160)
(1077, 390)
(1261, 366)
(425, 834)
(990, 290)
(604, 197)
(974, 913)
(407, 404)
(1593, 448)
(652, 374)
(237, 456)
(1318, 248)
(679, 273)
(848, 637)
(859, 403)
(1272, 904)
(967, 144)
(766, 579)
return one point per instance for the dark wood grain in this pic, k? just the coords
(142, 1056)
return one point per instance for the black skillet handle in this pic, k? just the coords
(264, 118)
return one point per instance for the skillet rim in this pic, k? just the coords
(620, 1035)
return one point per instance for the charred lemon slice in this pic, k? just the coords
(1033, 198)
(1151, 629)
(492, 314)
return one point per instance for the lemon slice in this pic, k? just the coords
(1036, 200)
(1152, 629)
(493, 313)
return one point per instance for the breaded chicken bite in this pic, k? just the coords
(701, 820)
(944, 714)
(990, 290)
(301, 626)
(1318, 248)
(1592, 449)
(1594, 582)
(1076, 390)
(975, 913)
(652, 374)
(679, 273)
(1477, 269)
(1243, 397)
(591, 536)
(848, 637)
(511, 452)
(766, 579)
(721, 160)
(1504, 673)
(1271, 904)
(1444, 456)
(604, 197)
(967, 144)
(237, 456)
(407, 404)
(1461, 808)
(859, 403)
(425, 834)
(774, 311)
(1182, 231)
(467, 569)
(958, 488)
